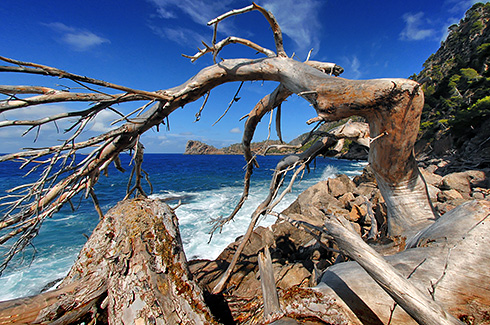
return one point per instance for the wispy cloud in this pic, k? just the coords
(414, 28)
(179, 35)
(200, 11)
(103, 120)
(235, 130)
(77, 38)
(458, 6)
(299, 20)
(352, 67)
(291, 15)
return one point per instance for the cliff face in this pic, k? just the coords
(194, 147)
(456, 83)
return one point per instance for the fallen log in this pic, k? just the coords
(447, 262)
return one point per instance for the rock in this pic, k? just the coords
(433, 192)
(291, 275)
(194, 147)
(349, 183)
(356, 213)
(431, 168)
(366, 176)
(357, 228)
(478, 195)
(448, 195)
(258, 240)
(366, 189)
(457, 181)
(356, 152)
(360, 200)
(430, 177)
(335, 187)
(478, 178)
(346, 199)
(318, 196)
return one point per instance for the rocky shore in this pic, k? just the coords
(299, 257)
(194, 147)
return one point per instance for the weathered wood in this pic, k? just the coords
(133, 266)
(272, 308)
(445, 261)
(419, 305)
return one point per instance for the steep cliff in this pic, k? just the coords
(456, 82)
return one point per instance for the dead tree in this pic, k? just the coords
(132, 269)
(392, 108)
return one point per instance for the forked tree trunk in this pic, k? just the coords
(132, 269)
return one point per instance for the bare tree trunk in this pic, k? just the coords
(133, 268)
(447, 261)
(419, 305)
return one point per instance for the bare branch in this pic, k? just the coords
(270, 18)
(229, 40)
(235, 99)
(35, 68)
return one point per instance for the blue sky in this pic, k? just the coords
(139, 44)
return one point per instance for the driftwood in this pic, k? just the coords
(417, 303)
(445, 262)
(132, 269)
(272, 308)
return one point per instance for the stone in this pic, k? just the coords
(457, 181)
(478, 178)
(448, 195)
(346, 199)
(357, 228)
(349, 183)
(356, 213)
(292, 275)
(477, 195)
(366, 176)
(318, 196)
(336, 187)
(366, 189)
(433, 192)
(430, 177)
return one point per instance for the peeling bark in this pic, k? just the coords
(132, 268)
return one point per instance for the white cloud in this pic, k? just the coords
(458, 6)
(103, 120)
(299, 20)
(352, 67)
(414, 30)
(77, 38)
(290, 14)
(235, 130)
(179, 35)
(200, 11)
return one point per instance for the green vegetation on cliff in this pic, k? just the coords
(456, 81)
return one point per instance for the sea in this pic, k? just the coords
(207, 186)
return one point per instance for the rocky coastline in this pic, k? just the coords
(195, 147)
(299, 258)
